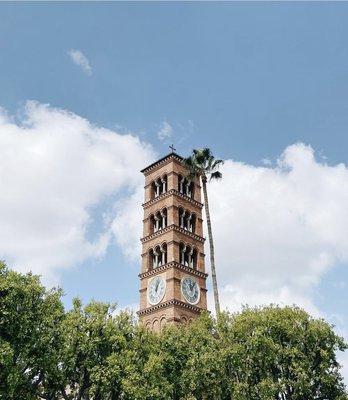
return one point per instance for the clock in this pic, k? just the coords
(190, 290)
(156, 290)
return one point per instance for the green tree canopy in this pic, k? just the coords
(93, 353)
(30, 318)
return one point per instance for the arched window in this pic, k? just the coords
(187, 220)
(163, 250)
(158, 220)
(193, 224)
(185, 186)
(181, 184)
(163, 322)
(159, 186)
(155, 325)
(188, 256)
(158, 256)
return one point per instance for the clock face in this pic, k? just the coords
(156, 290)
(190, 290)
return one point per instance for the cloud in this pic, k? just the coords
(80, 60)
(279, 229)
(266, 161)
(128, 212)
(58, 172)
(165, 132)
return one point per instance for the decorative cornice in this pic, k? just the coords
(167, 304)
(173, 264)
(175, 193)
(176, 228)
(162, 161)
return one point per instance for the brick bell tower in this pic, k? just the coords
(173, 278)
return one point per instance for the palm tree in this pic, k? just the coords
(202, 165)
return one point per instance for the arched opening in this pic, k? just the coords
(188, 256)
(151, 261)
(158, 256)
(194, 259)
(193, 224)
(158, 221)
(185, 186)
(159, 186)
(156, 325)
(187, 220)
(163, 322)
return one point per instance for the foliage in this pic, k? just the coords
(92, 352)
(202, 164)
(280, 353)
(30, 337)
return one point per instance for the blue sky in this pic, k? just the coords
(246, 79)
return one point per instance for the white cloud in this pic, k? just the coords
(165, 132)
(266, 161)
(56, 169)
(80, 60)
(129, 213)
(279, 230)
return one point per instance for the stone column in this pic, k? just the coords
(182, 255)
(156, 259)
(182, 219)
(156, 228)
(189, 222)
(163, 214)
(164, 188)
(181, 185)
(157, 193)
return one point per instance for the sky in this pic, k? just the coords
(91, 93)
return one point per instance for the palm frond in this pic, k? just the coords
(206, 152)
(200, 158)
(188, 162)
(192, 167)
(216, 175)
(216, 164)
(202, 163)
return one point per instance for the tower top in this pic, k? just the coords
(162, 160)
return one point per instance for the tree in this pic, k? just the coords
(193, 364)
(93, 353)
(30, 341)
(107, 356)
(280, 353)
(202, 165)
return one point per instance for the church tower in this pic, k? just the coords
(173, 278)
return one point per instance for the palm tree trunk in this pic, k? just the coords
(211, 246)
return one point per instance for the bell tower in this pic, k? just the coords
(173, 278)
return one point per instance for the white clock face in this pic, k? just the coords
(190, 290)
(156, 290)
